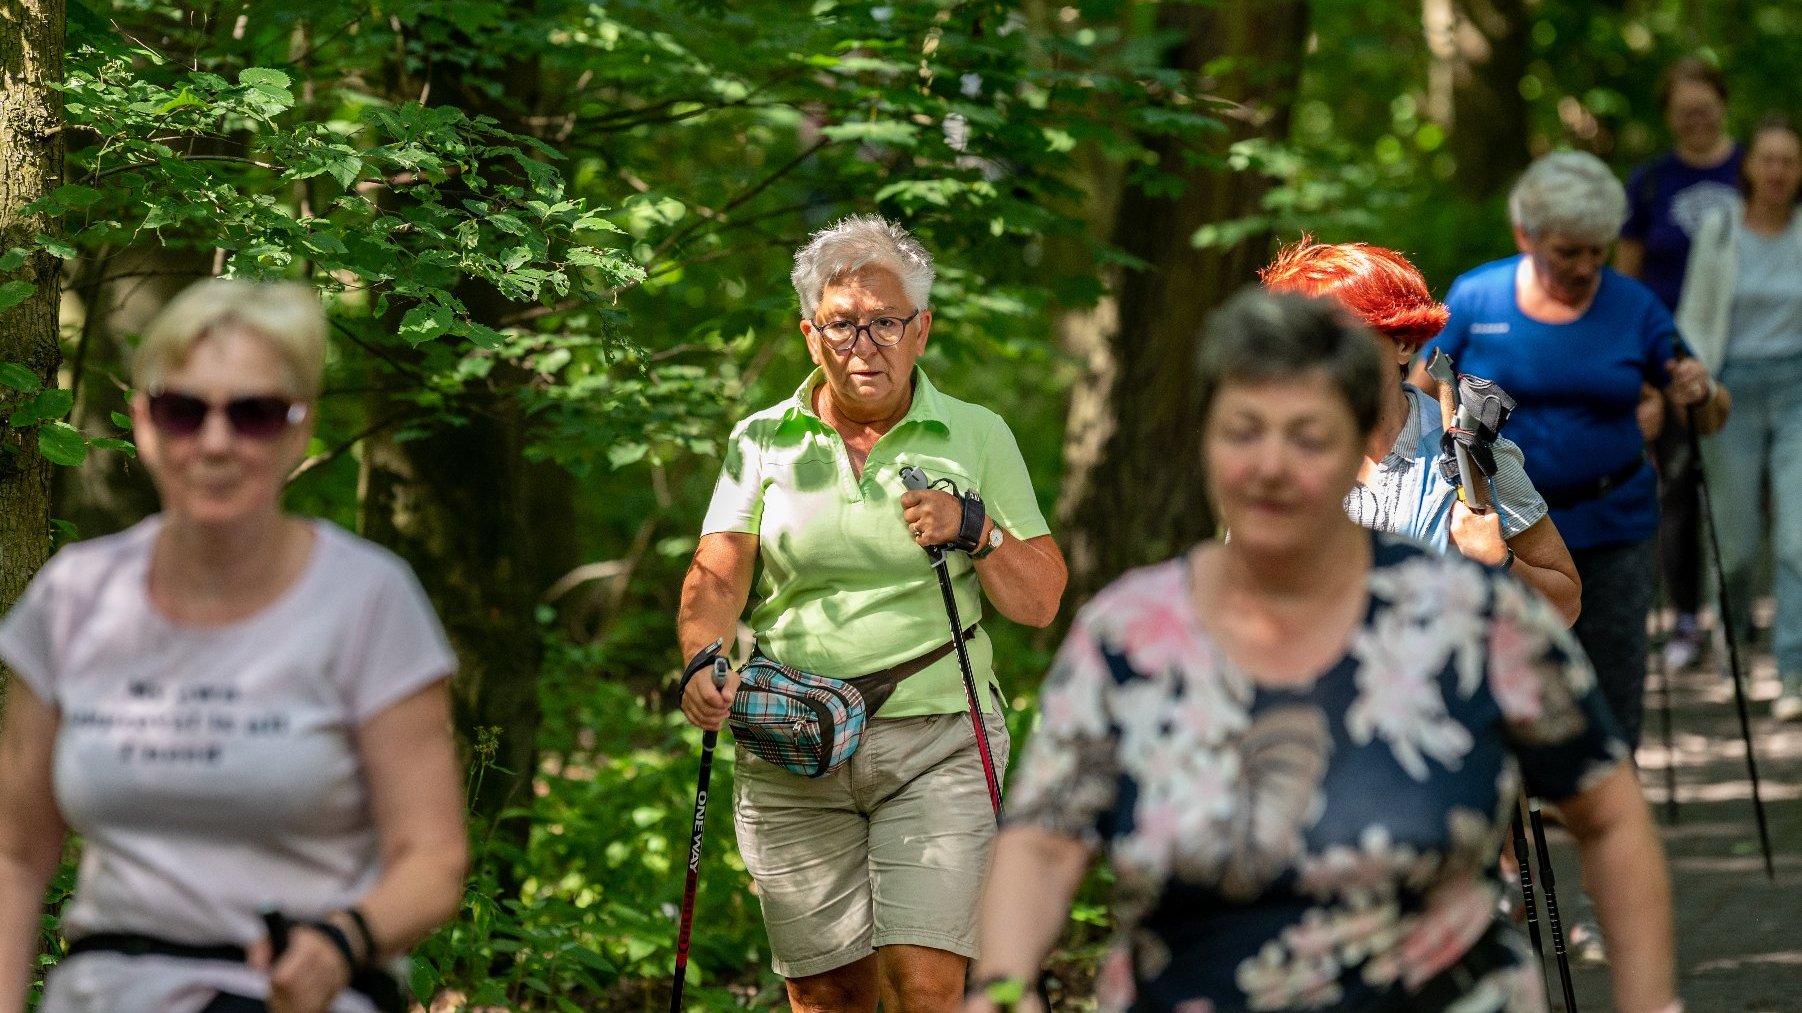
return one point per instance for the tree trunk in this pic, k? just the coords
(1480, 52)
(31, 165)
(1132, 449)
(454, 504)
(117, 294)
(483, 527)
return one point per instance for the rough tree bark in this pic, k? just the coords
(1132, 450)
(1480, 51)
(31, 165)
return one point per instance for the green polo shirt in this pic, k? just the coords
(845, 591)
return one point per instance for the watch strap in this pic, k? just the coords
(990, 544)
(969, 531)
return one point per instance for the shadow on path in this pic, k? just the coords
(1739, 935)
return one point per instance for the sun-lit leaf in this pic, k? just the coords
(62, 443)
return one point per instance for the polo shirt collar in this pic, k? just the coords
(928, 404)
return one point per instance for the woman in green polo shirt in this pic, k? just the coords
(868, 876)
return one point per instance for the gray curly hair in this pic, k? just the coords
(1571, 193)
(857, 242)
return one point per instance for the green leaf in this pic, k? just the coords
(62, 443)
(621, 454)
(126, 447)
(424, 981)
(12, 259)
(264, 77)
(74, 196)
(20, 377)
(14, 292)
(56, 247)
(425, 322)
(48, 404)
(182, 99)
(881, 132)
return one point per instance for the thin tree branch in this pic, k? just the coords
(322, 459)
(100, 174)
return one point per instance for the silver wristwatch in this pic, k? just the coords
(993, 543)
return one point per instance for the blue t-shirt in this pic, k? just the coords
(1666, 200)
(1577, 388)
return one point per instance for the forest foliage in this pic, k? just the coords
(586, 210)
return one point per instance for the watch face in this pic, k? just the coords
(995, 538)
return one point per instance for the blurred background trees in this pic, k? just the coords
(555, 236)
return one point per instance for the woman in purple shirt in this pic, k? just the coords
(1667, 200)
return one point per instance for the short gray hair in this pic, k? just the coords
(1571, 193)
(1260, 336)
(857, 242)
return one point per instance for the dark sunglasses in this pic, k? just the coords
(256, 418)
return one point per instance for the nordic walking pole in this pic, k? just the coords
(1547, 880)
(914, 478)
(1727, 627)
(1523, 859)
(709, 740)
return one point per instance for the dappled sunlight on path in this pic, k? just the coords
(1739, 935)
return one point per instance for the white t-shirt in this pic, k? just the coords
(213, 771)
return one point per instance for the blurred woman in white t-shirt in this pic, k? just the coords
(1742, 309)
(244, 714)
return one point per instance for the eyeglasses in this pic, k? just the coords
(841, 335)
(255, 418)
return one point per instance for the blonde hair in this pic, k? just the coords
(286, 314)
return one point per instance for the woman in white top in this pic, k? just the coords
(241, 712)
(1742, 310)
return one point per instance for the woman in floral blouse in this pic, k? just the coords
(1299, 749)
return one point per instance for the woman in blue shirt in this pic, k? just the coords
(1573, 341)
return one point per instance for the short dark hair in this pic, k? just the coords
(1766, 123)
(1689, 68)
(1259, 336)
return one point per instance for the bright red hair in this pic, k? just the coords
(1378, 285)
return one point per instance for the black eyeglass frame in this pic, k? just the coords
(859, 330)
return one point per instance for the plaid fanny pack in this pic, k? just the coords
(811, 724)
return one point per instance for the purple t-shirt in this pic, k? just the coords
(1666, 200)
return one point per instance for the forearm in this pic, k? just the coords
(1556, 587)
(715, 590)
(420, 889)
(1025, 900)
(21, 903)
(1024, 580)
(1543, 563)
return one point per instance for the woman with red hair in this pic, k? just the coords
(1400, 488)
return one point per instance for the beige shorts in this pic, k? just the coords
(890, 848)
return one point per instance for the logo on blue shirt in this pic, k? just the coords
(1498, 327)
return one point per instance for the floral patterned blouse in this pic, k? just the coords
(1321, 846)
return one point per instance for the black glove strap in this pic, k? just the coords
(703, 659)
(969, 533)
